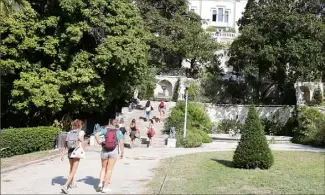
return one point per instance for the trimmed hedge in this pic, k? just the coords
(19, 141)
(253, 150)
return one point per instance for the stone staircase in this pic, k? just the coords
(160, 137)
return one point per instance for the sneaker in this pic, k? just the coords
(74, 185)
(106, 190)
(99, 189)
(65, 189)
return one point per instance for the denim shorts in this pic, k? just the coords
(109, 154)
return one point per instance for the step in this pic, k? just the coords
(159, 139)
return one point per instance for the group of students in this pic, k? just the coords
(112, 149)
(161, 108)
(135, 132)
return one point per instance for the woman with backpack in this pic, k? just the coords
(113, 148)
(150, 132)
(148, 109)
(133, 132)
(162, 108)
(74, 141)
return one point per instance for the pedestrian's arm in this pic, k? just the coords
(82, 140)
(122, 147)
(97, 137)
(63, 149)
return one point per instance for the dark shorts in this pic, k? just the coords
(133, 135)
(70, 152)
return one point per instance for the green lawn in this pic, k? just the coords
(212, 173)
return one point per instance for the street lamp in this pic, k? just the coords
(185, 117)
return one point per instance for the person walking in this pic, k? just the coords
(150, 133)
(162, 109)
(148, 109)
(112, 149)
(133, 132)
(74, 140)
(122, 126)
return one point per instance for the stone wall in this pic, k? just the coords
(217, 113)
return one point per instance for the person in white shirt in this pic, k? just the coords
(75, 139)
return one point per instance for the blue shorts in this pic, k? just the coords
(112, 154)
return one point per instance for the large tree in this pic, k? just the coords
(11, 6)
(71, 56)
(176, 34)
(281, 42)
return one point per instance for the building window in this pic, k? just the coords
(214, 15)
(220, 14)
(226, 16)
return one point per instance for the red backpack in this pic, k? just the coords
(110, 140)
(151, 132)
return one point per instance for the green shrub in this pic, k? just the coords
(272, 127)
(229, 125)
(25, 140)
(176, 90)
(253, 150)
(193, 91)
(198, 124)
(205, 137)
(147, 86)
(192, 140)
(317, 97)
(290, 126)
(196, 116)
(310, 127)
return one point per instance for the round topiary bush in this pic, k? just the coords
(253, 150)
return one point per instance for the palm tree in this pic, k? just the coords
(9, 6)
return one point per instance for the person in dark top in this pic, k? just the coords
(133, 133)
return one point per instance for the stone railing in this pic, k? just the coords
(164, 98)
(223, 37)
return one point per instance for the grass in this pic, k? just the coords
(25, 158)
(212, 173)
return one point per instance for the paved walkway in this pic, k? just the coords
(129, 176)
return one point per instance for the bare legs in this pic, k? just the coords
(132, 143)
(109, 170)
(73, 169)
(150, 141)
(162, 113)
(106, 172)
(102, 172)
(74, 163)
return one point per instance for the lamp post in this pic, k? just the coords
(185, 117)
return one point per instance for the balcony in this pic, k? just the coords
(223, 37)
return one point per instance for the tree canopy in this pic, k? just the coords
(281, 42)
(176, 34)
(71, 56)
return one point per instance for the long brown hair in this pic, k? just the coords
(76, 124)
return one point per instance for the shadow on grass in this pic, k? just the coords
(226, 163)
